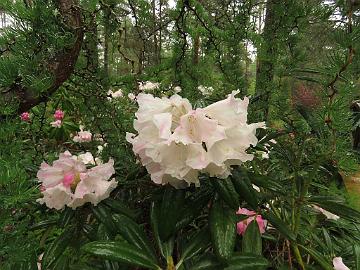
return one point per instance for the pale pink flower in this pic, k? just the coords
(25, 116)
(339, 265)
(116, 94)
(326, 213)
(69, 182)
(82, 136)
(176, 143)
(205, 90)
(177, 89)
(148, 86)
(131, 96)
(59, 114)
(56, 124)
(242, 225)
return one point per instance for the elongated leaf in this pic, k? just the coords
(223, 229)
(251, 242)
(66, 217)
(226, 191)
(356, 249)
(318, 258)
(121, 252)
(172, 201)
(247, 262)
(53, 253)
(266, 182)
(279, 225)
(43, 224)
(244, 187)
(103, 215)
(193, 207)
(196, 244)
(134, 234)
(120, 208)
(207, 262)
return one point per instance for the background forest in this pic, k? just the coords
(296, 60)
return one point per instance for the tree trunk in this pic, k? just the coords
(266, 58)
(106, 46)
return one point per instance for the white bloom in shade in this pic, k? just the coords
(339, 265)
(177, 89)
(117, 94)
(326, 213)
(69, 182)
(205, 90)
(56, 124)
(148, 86)
(82, 136)
(131, 96)
(86, 158)
(176, 143)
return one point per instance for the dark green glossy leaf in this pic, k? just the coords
(226, 191)
(121, 252)
(356, 249)
(318, 258)
(251, 242)
(120, 208)
(247, 262)
(244, 187)
(66, 217)
(278, 224)
(207, 262)
(223, 229)
(199, 242)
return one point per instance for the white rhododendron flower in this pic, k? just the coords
(339, 265)
(131, 96)
(82, 136)
(205, 90)
(177, 89)
(69, 182)
(148, 86)
(175, 143)
(86, 158)
(116, 94)
(327, 214)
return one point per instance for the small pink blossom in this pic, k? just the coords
(339, 265)
(56, 124)
(242, 225)
(25, 116)
(59, 114)
(82, 136)
(68, 179)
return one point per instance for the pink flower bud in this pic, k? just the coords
(25, 116)
(242, 225)
(59, 114)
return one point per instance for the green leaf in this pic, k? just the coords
(43, 224)
(133, 233)
(318, 258)
(222, 229)
(279, 225)
(122, 252)
(57, 247)
(244, 187)
(266, 182)
(247, 262)
(103, 215)
(251, 242)
(193, 207)
(226, 191)
(356, 249)
(207, 262)
(172, 201)
(199, 242)
(120, 208)
(66, 217)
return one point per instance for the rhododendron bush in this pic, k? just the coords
(179, 135)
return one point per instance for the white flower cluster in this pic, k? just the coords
(176, 142)
(206, 90)
(148, 86)
(69, 182)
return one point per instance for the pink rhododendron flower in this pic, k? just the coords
(82, 136)
(59, 114)
(242, 225)
(339, 265)
(69, 182)
(56, 124)
(25, 116)
(175, 143)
